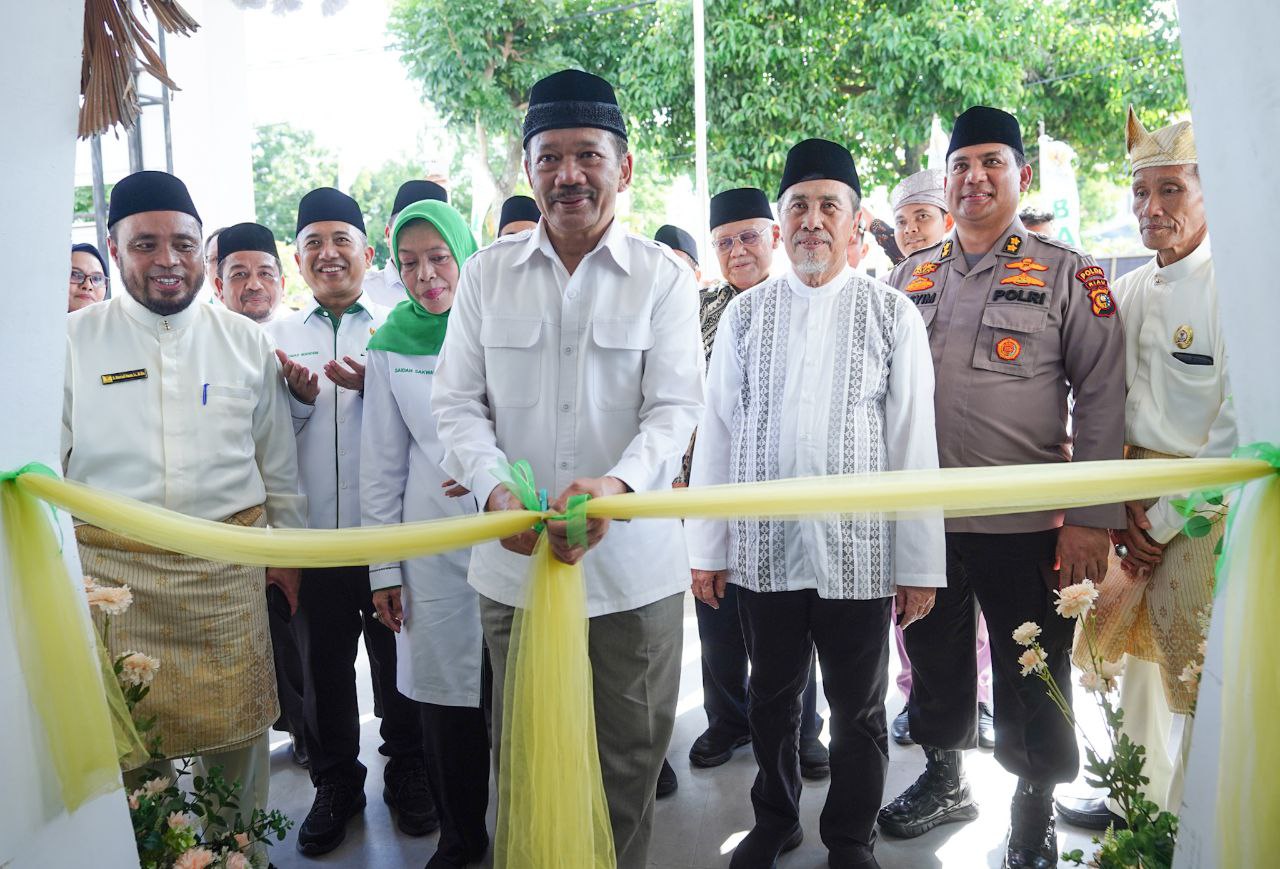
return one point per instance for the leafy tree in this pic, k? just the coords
(287, 162)
(375, 190)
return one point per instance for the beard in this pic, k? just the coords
(166, 305)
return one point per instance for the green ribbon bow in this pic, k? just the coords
(518, 478)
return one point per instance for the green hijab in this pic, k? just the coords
(412, 329)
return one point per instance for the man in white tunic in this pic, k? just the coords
(328, 339)
(575, 347)
(822, 371)
(1178, 404)
(180, 405)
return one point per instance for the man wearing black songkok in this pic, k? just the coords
(518, 214)
(1016, 322)
(384, 285)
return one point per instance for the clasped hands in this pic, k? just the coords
(558, 529)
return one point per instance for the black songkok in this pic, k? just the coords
(817, 160)
(572, 98)
(91, 249)
(149, 191)
(416, 191)
(246, 236)
(677, 239)
(518, 208)
(979, 125)
(740, 203)
(326, 203)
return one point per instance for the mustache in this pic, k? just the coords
(562, 193)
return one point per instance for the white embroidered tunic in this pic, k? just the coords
(810, 381)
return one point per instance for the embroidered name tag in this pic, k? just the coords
(122, 376)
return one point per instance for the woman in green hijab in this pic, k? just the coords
(427, 601)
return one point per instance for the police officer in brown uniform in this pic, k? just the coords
(1016, 322)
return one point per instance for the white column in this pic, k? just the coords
(1232, 69)
(41, 63)
(707, 258)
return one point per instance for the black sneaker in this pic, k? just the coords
(815, 760)
(405, 791)
(1033, 840)
(900, 729)
(713, 749)
(667, 781)
(326, 824)
(986, 726)
(939, 796)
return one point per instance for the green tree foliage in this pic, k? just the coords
(870, 73)
(287, 162)
(375, 190)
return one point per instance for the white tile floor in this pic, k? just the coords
(697, 826)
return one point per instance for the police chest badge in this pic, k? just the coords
(1183, 337)
(1024, 278)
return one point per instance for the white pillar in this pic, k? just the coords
(1232, 70)
(707, 258)
(41, 63)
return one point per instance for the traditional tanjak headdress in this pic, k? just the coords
(1173, 145)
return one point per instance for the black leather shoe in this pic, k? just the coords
(815, 760)
(939, 796)
(900, 729)
(713, 749)
(1091, 813)
(326, 824)
(1033, 840)
(405, 791)
(667, 781)
(760, 850)
(986, 726)
(298, 750)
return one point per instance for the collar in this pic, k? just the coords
(1010, 244)
(800, 288)
(614, 241)
(390, 274)
(1188, 265)
(153, 322)
(360, 304)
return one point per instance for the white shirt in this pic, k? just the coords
(205, 432)
(329, 431)
(1179, 398)
(384, 286)
(593, 374)
(439, 652)
(809, 381)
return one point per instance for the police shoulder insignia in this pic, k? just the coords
(925, 269)
(946, 249)
(1012, 244)
(1095, 284)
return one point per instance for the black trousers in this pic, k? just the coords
(289, 680)
(1011, 577)
(335, 609)
(456, 739)
(724, 672)
(852, 639)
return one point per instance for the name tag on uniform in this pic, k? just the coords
(122, 376)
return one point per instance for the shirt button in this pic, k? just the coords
(342, 452)
(564, 466)
(565, 407)
(568, 351)
(342, 419)
(344, 485)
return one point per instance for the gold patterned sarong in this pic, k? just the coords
(207, 623)
(1157, 618)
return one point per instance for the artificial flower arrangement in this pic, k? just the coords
(179, 827)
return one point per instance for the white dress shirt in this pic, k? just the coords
(439, 650)
(328, 432)
(593, 374)
(809, 381)
(384, 286)
(194, 416)
(1179, 397)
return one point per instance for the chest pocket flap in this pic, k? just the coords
(513, 360)
(623, 334)
(1010, 338)
(617, 369)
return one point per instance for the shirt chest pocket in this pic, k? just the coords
(230, 415)
(512, 360)
(1010, 339)
(617, 362)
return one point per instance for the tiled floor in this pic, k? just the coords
(699, 824)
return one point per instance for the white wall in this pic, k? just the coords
(1232, 70)
(41, 67)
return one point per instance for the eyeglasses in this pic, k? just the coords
(748, 237)
(78, 277)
